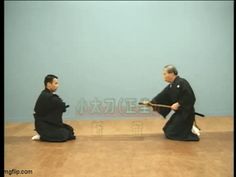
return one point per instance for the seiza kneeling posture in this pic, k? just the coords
(48, 109)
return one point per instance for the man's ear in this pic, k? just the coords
(48, 85)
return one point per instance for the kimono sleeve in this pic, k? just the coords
(57, 103)
(162, 98)
(186, 97)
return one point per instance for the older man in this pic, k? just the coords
(179, 94)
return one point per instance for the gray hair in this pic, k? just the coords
(171, 69)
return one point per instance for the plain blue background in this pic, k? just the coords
(117, 50)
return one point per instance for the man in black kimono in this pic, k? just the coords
(48, 109)
(180, 96)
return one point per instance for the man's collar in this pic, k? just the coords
(176, 78)
(47, 90)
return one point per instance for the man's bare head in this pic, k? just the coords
(169, 73)
(51, 82)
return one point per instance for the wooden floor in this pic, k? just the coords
(122, 148)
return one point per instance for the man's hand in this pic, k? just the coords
(145, 102)
(175, 106)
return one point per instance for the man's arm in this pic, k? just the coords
(162, 98)
(58, 103)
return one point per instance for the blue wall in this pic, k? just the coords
(103, 50)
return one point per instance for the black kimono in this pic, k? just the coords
(48, 118)
(179, 126)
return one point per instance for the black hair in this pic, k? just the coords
(49, 78)
(171, 69)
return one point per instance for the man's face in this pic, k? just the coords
(52, 86)
(168, 77)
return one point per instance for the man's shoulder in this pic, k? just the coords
(182, 81)
(45, 93)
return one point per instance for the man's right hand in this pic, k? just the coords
(175, 106)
